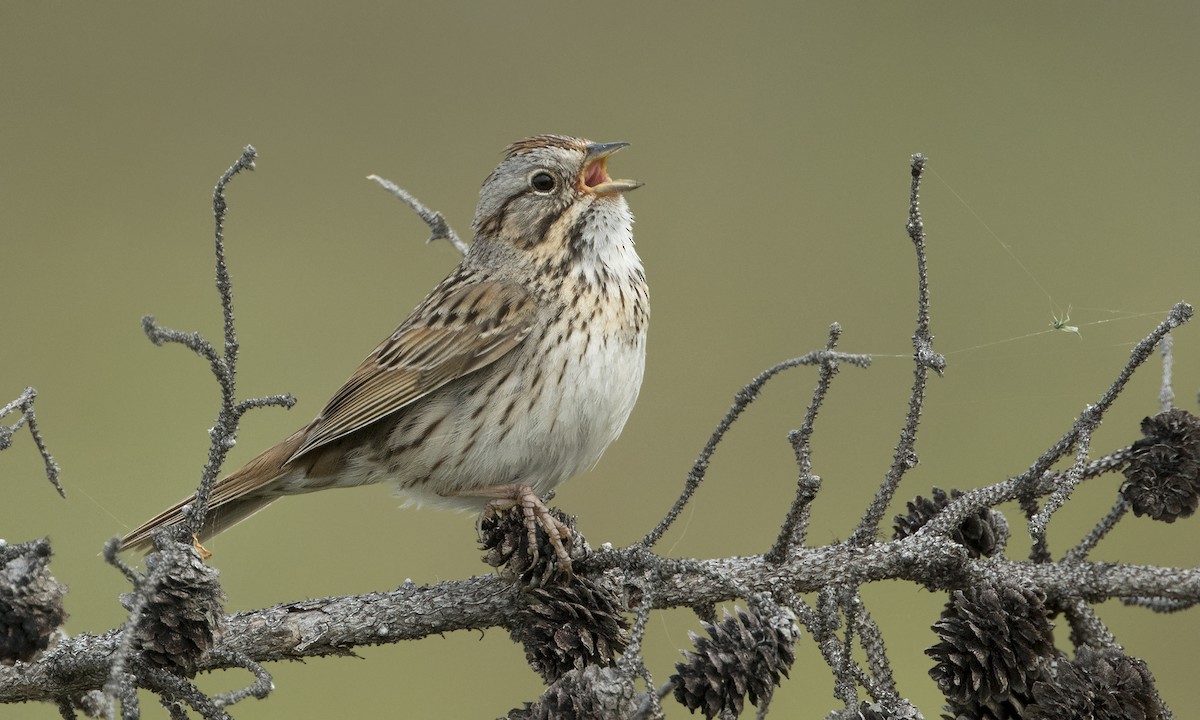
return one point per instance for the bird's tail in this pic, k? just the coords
(234, 498)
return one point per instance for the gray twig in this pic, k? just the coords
(438, 227)
(925, 359)
(1088, 422)
(260, 688)
(222, 363)
(741, 401)
(24, 403)
(169, 685)
(1092, 416)
(1107, 523)
(65, 709)
(807, 485)
(871, 639)
(1166, 394)
(143, 587)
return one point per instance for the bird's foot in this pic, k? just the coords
(506, 497)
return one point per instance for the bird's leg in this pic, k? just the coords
(504, 497)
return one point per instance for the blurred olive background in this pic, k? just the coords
(774, 141)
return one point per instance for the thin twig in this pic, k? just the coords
(286, 400)
(438, 227)
(1166, 394)
(1080, 552)
(871, 640)
(124, 690)
(845, 686)
(1086, 627)
(65, 709)
(260, 688)
(24, 401)
(1160, 605)
(807, 484)
(1038, 480)
(222, 363)
(224, 434)
(1088, 422)
(972, 501)
(144, 587)
(1178, 315)
(741, 401)
(166, 684)
(632, 663)
(925, 359)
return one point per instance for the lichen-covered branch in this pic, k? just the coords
(336, 625)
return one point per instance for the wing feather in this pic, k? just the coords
(459, 329)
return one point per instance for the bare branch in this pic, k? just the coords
(871, 640)
(807, 485)
(741, 401)
(1037, 480)
(1166, 394)
(284, 401)
(260, 688)
(1088, 422)
(24, 402)
(925, 359)
(438, 227)
(1107, 523)
(336, 625)
(222, 363)
(169, 685)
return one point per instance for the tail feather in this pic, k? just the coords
(235, 497)
(217, 520)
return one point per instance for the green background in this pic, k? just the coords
(774, 142)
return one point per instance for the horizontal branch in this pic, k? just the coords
(336, 625)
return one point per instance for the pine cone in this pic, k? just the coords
(505, 539)
(979, 533)
(570, 627)
(1098, 686)
(1008, 709)
(743, 656)
(586, 694)
(31, 600)
(1163, 475)
(992, 642)
(184, 614)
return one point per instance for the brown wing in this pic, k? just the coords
(457, 330)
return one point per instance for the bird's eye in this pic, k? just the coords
(541, 181)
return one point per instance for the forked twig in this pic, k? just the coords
(24, 403)
(807, 484)
(741, 401)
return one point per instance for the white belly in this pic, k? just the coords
(535, 432)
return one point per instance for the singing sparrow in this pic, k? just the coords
(514, 374)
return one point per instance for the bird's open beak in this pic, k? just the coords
(595, 171)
